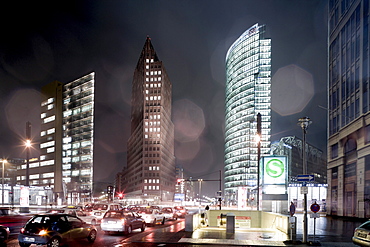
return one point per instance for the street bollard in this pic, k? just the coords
(230, 223)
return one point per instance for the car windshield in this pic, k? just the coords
(100, 207)
(167, 210)
(117, 215)
(366, 226)
(147, 211)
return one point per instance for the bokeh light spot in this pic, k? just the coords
(188, 119)
(292, 89)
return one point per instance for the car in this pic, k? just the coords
(152, 216)
(54, 230)
(13, 220)
(4, 233)
(361, 236)
(122, 221)
(91, 219)
(169, 213)
(180, 211)
(99, 209)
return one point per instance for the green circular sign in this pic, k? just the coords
(275, 168)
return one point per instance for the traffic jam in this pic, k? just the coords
(59, 226)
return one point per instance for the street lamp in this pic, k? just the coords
(259, 137)
(28, 146)
(304, 122)
(2, 182)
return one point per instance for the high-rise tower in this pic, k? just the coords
(66, 142)
(349, 109)
(150, 171)
(248, 92)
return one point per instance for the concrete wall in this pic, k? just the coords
(257, 219)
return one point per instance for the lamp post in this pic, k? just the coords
(258, 158)
(200, 191)
(2, 181)
(304, 122)
(28, 146)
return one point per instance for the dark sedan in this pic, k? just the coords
(55, 229)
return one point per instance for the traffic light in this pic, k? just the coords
(120, 195)
(110, 189)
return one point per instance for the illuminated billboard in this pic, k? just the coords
(274, 174)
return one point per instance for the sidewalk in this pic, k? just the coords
(255, 237)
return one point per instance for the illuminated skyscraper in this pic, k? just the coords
(150, 171)
(66, 142)
(248, 92)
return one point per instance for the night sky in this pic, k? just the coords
(64, 40)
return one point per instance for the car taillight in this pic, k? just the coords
(42, 232)
(22, 230)
(123, 221)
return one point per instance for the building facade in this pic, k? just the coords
(248, 92)
(66, 142)
(292, 147)
(150, 170)
(349, 109)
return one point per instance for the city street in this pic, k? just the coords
(329, 232)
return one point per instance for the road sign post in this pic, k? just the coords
(314, 208)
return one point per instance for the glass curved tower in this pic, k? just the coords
(248, 92)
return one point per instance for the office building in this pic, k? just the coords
(66, 142)
(349, 109)
(248, 92)
(150, 171)
(292, 147)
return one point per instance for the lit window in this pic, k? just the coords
(48, 175)
(51, 106)
(49, 119)
(50, 131)
(43, 115)
(43, 133)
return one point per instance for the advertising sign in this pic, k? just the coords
(24, 198)
(242, 198)
(179, 197)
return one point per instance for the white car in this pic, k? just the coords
(152, 216)
(169, 213)
(90, 219)
(99, 209)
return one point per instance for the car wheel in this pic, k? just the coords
(142, 227)
(92, 236)
(93, 222)
(164, 219)
(3, 235)
(24, 244)
(54, 242)
(128, 230)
